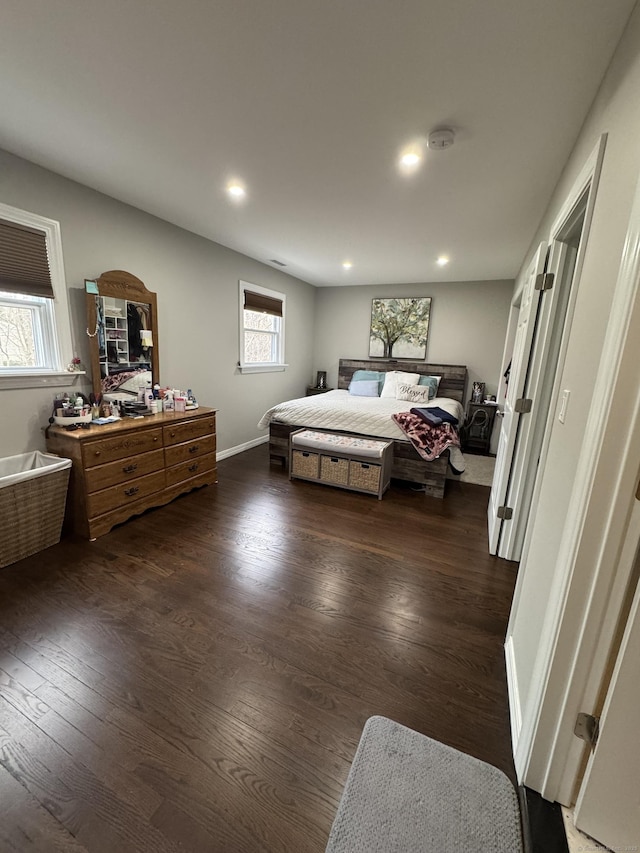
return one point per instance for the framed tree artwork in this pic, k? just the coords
(399, 328)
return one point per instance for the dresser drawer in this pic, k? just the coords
(177, 433)
(189, 450)
(120, 447)
(103, 476)
(125, 493)
(190, 468)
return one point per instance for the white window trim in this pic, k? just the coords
(271, 367)
(63, 346)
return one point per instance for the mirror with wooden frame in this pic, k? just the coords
(122, 323)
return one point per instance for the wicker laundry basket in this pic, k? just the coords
(33, 491)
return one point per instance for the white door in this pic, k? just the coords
(517, 378)
(608, 806)
(541, 369)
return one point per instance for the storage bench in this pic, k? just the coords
(348, 461)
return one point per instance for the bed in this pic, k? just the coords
(124, 381)
(370, 417)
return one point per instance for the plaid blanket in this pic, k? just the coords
(429, 441)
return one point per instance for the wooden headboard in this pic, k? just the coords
(453, 380)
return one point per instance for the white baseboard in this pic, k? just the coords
(239, 448)
(515, 711)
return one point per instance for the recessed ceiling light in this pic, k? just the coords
(347, 265)
(410, 159)
(411, 156)
(236, 190)
(442, 261)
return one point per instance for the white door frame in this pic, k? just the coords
(606, 807)
(525, 720)
(596, 585)
(587, 591)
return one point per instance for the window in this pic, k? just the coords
(261, 329)
(26, 330)
(35, 337)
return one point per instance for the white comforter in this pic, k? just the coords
(340, 410)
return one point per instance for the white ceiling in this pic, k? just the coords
(160, 102)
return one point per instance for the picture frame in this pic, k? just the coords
(478, 392)
(400, 327)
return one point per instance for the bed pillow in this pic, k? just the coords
(364, 388)
(413, 393)
(431, 383)
(391, 380)
(368, 375)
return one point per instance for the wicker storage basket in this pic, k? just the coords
(33, 491)
(304, 464)
(334, 470)
(362, 475)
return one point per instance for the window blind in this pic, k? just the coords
(24, 262)
(263, 304)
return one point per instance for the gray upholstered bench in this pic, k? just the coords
(347, 461)
(407, 793)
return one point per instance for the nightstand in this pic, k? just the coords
(478, 427)
(311, 390)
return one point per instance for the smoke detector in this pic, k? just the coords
(441, 139)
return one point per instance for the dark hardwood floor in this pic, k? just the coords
(198, 679)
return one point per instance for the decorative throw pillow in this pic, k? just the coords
(364, 388)
(391, 380)
(432, 383)
(362, 375)
(413, 393)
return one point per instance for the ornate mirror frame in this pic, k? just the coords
(119, 284)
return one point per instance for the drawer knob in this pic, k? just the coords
(155, 437)
(173, 434)
(193, 449)
(129, 469)
(132, 491)
(193, 467)
(97, 453)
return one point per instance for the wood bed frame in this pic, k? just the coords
(407, 463)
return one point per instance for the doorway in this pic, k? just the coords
(551, 323)
(535, 366)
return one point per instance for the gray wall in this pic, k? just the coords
(197, 286)
(468, 325)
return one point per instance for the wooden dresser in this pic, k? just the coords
(121, 469)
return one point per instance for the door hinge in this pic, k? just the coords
(544, 281)
(523, 405)
(587, 728)
(505, 512)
